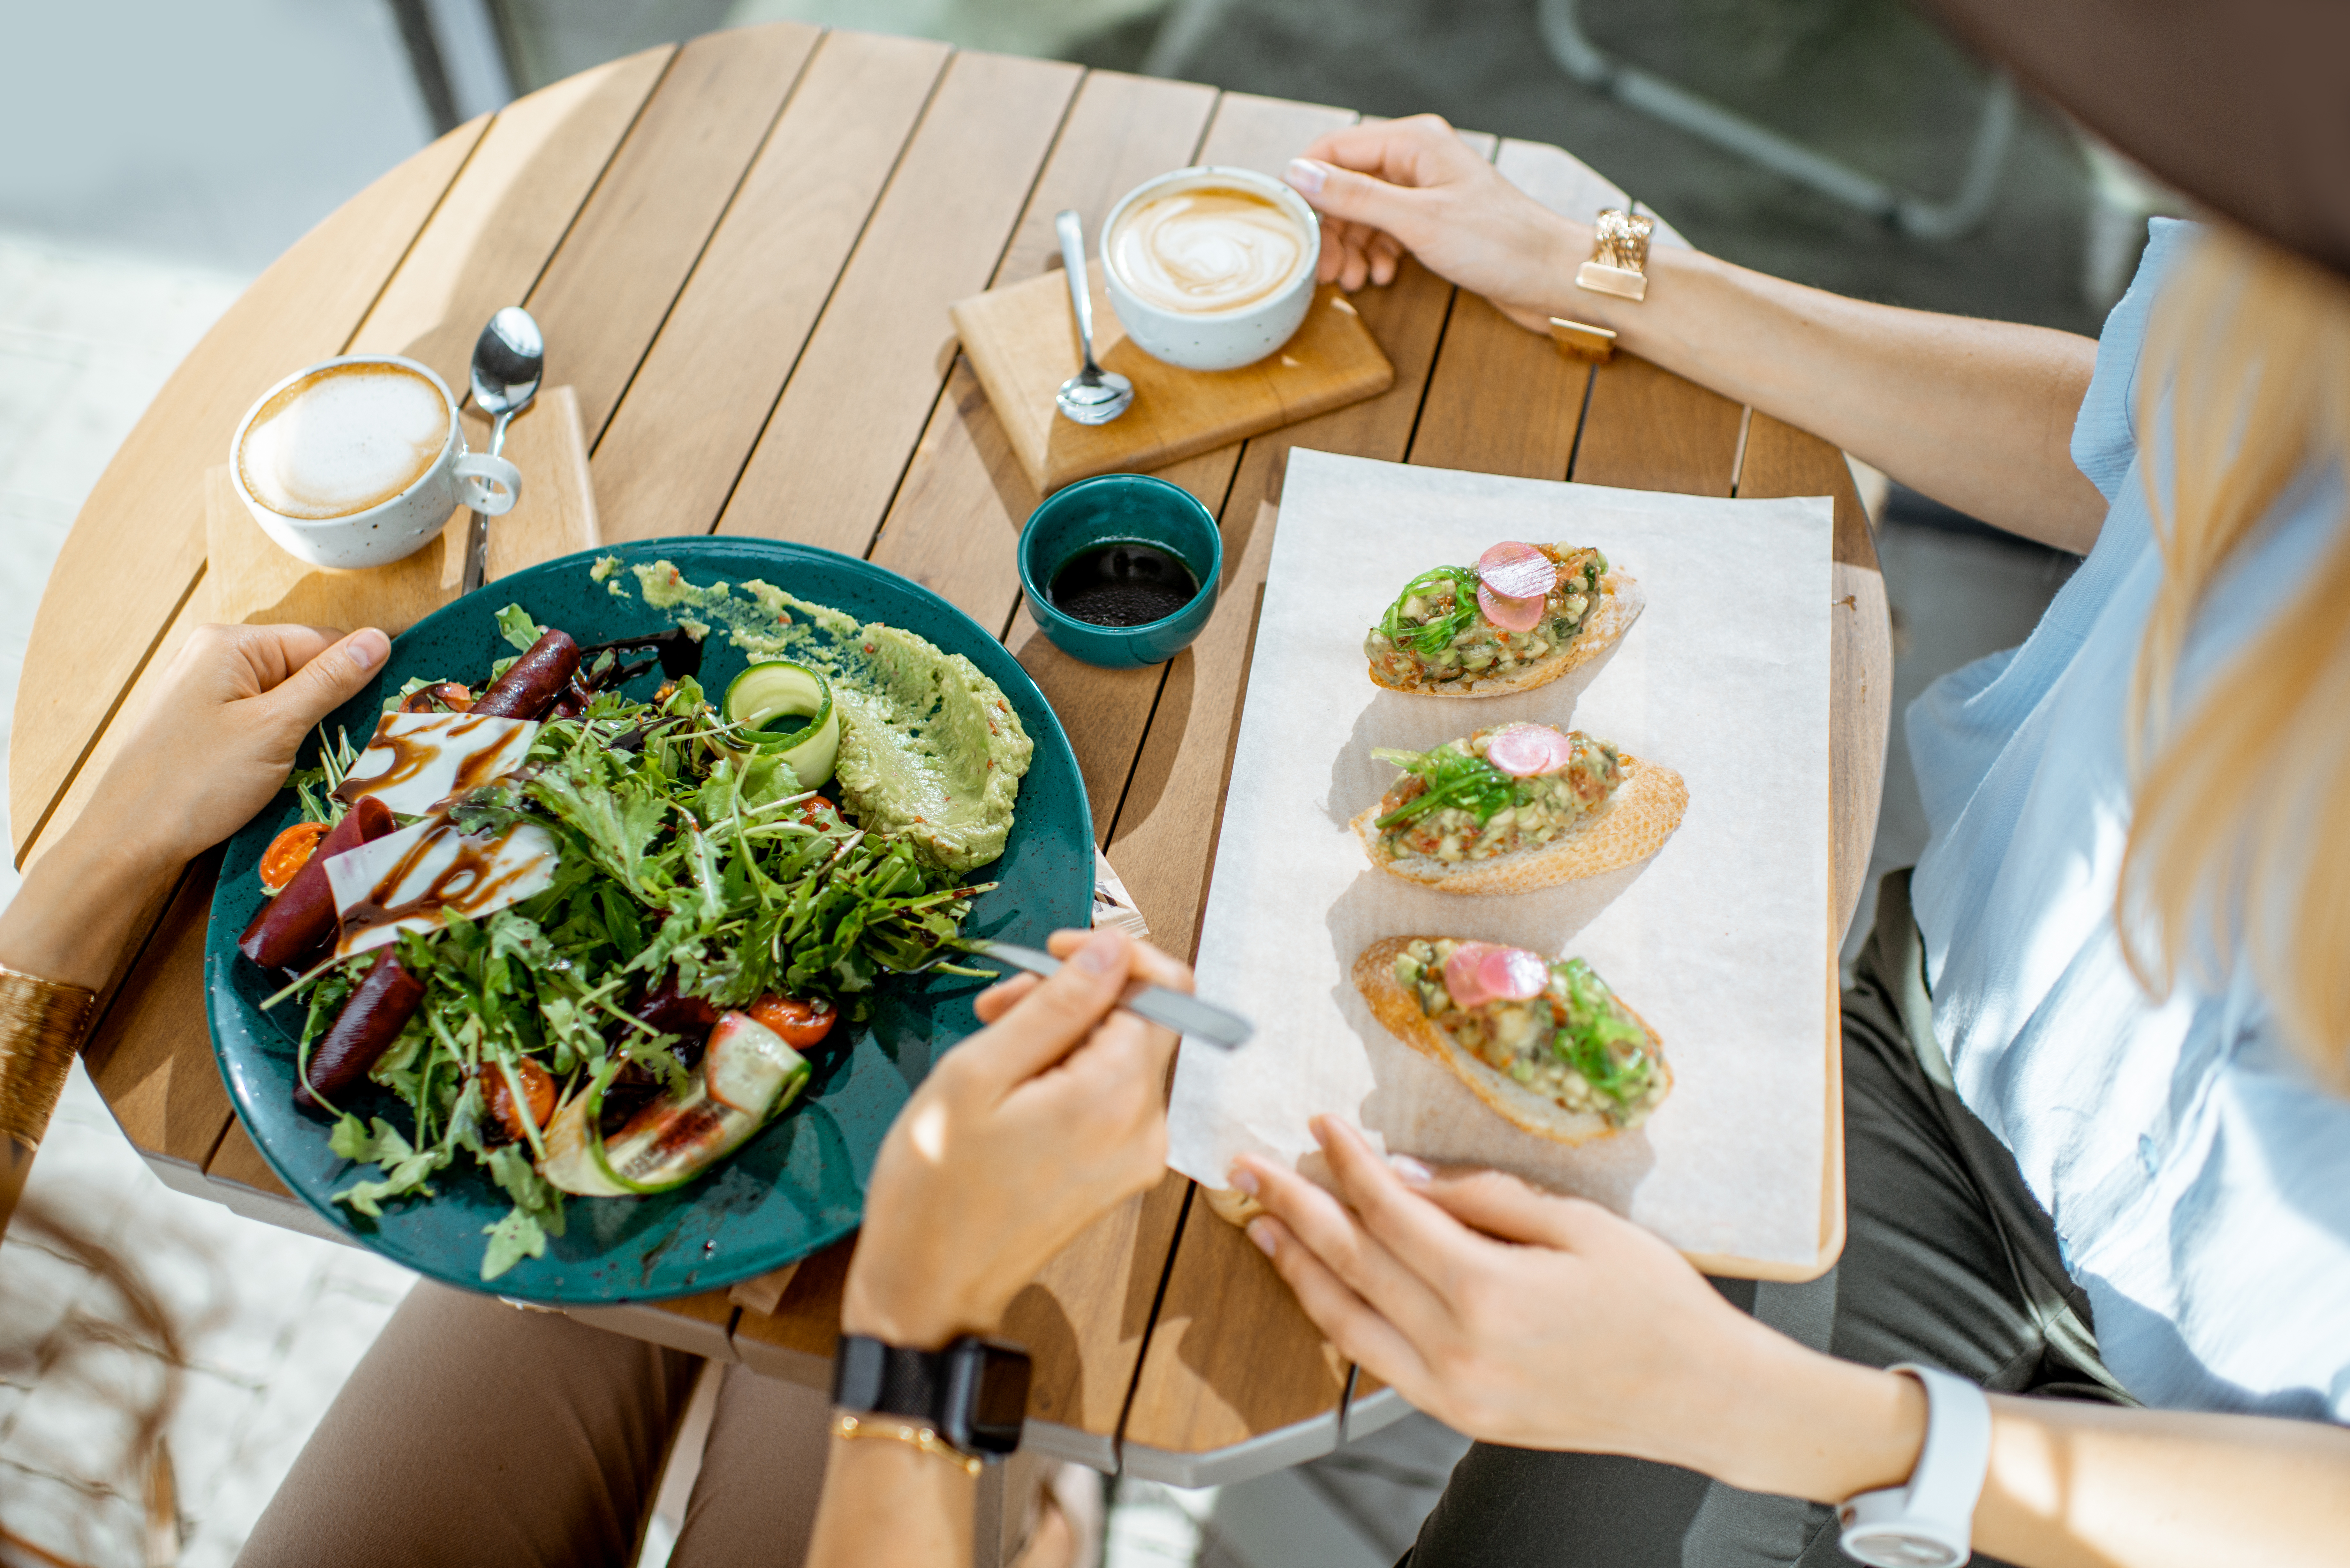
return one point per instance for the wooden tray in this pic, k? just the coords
(1022, 342)
(247, 578)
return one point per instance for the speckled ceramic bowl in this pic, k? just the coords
(1118, 509)
(800, 1185)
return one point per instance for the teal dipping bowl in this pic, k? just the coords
(1121, 509)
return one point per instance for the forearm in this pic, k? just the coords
(887, 1502)
(2070, 1483)
(1978, 414)
(73, 916)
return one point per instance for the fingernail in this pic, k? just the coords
(369, 647)
(1305, 176)
(1261, 1234)
(1414, 1173)
(1244, 1179)
(1104, 953)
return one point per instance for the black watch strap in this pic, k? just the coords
(973, 1394)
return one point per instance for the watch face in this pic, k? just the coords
(1001, 1406)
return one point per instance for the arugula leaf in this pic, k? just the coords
(516, 627)
(517, 1236)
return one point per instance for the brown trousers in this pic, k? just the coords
(475, 1433)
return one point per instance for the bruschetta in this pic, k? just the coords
(1513, 807)
(1541, 1041)
(1522, 617)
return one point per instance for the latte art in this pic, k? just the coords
(1207, 248)
(342, 440)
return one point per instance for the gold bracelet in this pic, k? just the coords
(1619, 256)
(1581, 340)
(41, 1025)
(924, 1438)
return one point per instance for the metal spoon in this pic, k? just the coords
(1093, 396)
(509, 357)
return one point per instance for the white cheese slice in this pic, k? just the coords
(418, 879)
(419, 760)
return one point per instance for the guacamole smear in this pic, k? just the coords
(930, 749)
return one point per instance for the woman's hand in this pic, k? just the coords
(1548, 1322)
(222, 730)
(1022, 1137)
(1412, 185)
(215, 742)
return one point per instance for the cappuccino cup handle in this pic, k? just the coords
(490, 486)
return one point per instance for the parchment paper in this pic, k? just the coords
(1721, 940)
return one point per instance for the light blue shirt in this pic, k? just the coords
(2199, 1179)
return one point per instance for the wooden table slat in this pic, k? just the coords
(150, 1054)
(838, 443)
(1647, 429)
(964, 497)
(673, 450)
(1504, 400)
(491, 238)
(138, 545)
(611, 282)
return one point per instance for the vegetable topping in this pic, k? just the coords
(1503, 788)
(1557, 1029)
(1457, 623)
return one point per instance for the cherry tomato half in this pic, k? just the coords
(537, 1086)
(288, 853)
(801, 1023)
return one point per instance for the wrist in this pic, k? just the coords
(913, 1315)
(1792, 1422)
(69, 920)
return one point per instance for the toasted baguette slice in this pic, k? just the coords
(1634, 824)
(1620, 602)
(1399, 1010)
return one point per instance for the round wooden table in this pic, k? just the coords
(742, 251)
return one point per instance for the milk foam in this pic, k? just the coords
(342, 440)
(1208, 247)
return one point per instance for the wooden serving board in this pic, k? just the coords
(247, 578)
(1022, 342)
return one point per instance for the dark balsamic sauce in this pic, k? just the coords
(1124, 584)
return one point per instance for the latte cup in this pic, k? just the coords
(355, 474)
(1199, 332)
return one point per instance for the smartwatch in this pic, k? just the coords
(1929, 1522)
(973, 1394)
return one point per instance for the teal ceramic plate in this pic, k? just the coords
(800, 1185)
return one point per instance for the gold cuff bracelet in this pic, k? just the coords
(1580, 340)
(41, 1025)
(1619, 256)
(926, 1439)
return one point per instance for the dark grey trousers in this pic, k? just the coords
(1948, 1260)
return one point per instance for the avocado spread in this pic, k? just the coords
(1435, 631)
(1575, 1042)
(930, 749)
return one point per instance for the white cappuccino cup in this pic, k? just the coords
(358, 461)
(1211, 268)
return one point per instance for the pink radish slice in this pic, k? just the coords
(1480, 973)
(1513, 973)
(1509, 614)
(1522, 750)
(1461, 973)
(1517, 571)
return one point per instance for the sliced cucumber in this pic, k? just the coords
(779, 689)
(748, 1076)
